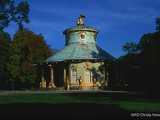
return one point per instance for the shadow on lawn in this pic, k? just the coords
(71, 111)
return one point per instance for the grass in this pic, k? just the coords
(50, 98)
(137, 105)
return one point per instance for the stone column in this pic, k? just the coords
(106, 74)
(52, 76)
(65, 78)
(69, 77)
(43, 82)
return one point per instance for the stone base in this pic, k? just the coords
(83, 86)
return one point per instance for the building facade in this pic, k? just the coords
(81, 64)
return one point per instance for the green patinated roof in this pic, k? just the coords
(79, 52)
(80, 48)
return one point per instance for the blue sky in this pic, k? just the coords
(118, 21)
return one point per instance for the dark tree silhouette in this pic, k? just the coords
(130, 47)
(5, 43)
(158, 24)
(5, 13)
(20, 15)
(140, 69)
(10, 11)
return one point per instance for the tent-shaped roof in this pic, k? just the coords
(80, 52)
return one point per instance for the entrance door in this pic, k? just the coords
(74, 78)
(87, 80)
(59, 74)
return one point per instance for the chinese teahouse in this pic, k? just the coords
(81, 64)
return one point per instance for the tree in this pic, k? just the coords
(150, 46)
(145, 41)
(143, 67)
(20, 14)
(158, 24)
(130, 47)
(5, 42)
(5, 8)
(12, 12)
(28, 49)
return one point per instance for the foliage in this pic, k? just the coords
(5, 6)
(148, 48)
(150, 45)
(19, 57)
(20, 14)
(142, 67)
(158, 24)
(130, 47)
(4, 57)
(10, 11)
(28, 49)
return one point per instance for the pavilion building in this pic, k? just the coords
(81, 64)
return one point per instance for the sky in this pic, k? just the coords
(118, 21)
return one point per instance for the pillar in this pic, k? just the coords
(43, 82)
(52, 76)
(106, 70)
(66, 76)
(69, 77)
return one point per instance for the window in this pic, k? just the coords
(82, 35)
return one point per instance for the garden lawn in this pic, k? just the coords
(136, 105)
